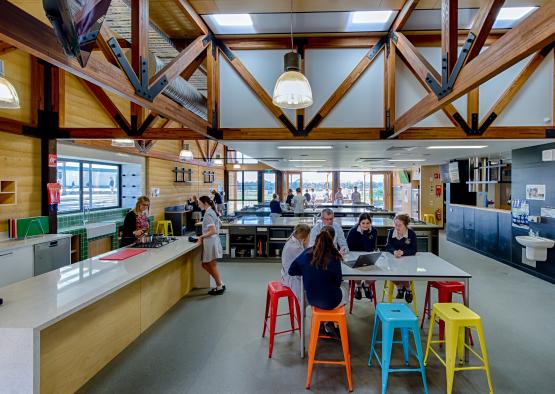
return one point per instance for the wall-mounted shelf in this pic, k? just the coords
(8, 192)
(183, 176)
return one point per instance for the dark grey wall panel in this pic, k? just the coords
(469, 228)
(485, 224)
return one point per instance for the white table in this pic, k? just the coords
(423, 266)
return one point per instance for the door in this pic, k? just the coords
(15, 265)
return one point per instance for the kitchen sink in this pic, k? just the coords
(536, 247)
(95, 230)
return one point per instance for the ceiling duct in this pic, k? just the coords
(161, 52)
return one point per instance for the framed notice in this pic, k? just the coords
(535, 192)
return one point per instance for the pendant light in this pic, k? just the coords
(8, 94)
(292, 90)
(123, 143)
(186, 153)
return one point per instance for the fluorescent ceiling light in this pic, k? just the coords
(123, 143)
(308, 166)
(513, 13)
(381, 166)
(457, 147)
(370, 16)
(306, 147)
(307, 160)
(233, 19)
(407, 160)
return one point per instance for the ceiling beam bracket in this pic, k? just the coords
(550, 133)
(386, 133)
(141, 87)
(217, 134)
(461, 60)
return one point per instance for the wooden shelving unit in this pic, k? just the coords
(8, 192)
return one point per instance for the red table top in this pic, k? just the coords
(123, 254)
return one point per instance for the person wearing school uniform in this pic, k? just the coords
(338, 197)
(299, 203)
(355, 196)
(295, 245)
(289, 198)
(401, 241)
(211, 244)
(362, 238)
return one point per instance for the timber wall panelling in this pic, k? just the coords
(17, 70)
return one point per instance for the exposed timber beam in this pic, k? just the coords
(13, 126)
(195, 64)
(256, 88)
(481, 26)
(192, 15)
(213, 150)
(347, 83)
(434, 40)
(473, 108)
(421, 69)
(449, 33)
(390, 60)
(6, 48)
(404, 15)
(201, 150)
(178, 64)
(154, 133)
(139, 51)
(503, 101)
(213, 82)
(532, 34)
(31, 35)
(107, 104)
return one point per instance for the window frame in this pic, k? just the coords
(82, 187)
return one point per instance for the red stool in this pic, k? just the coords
(445, 290)
(274, 292)
(352, 294)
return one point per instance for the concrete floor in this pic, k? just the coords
(213, 344)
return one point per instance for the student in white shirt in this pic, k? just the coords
(299, 203)
(339, 196)
(295, 245)
(355, 196)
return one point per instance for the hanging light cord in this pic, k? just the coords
(292, 26)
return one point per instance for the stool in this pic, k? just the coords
(457, 318)
(445, 290)
(352, 293)
(274, 292)
(430, 218)
(167, 228)
(393, 316)
(389, 285)
(337, 316)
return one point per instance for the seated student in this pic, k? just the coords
(295, 245)
(362, 238)
(401, 241)
(320, 268)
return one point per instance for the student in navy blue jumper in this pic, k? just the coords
(275, 207)
(401, 241)
(362, 238)
(320, 267)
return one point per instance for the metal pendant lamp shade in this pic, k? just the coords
(186, 153)
(8, 94)
(292, 90)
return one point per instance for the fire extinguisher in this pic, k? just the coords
(53, 190)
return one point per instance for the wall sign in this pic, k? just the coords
(535, 192)
(52, 160)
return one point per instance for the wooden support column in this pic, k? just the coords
(473, 108)
(213, 76)
(139, 51)
(449, 35)
(390, 87)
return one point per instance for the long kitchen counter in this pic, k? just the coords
(41, 316)
(339, 212)
(345, 222)
(9, 244)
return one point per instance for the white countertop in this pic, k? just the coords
(30, 241)
(293, 221)
(422, 265)
(508, 211)
(43, 300)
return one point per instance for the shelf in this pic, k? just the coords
(8, 192)
(490, 166)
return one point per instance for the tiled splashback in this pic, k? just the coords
(76, 219)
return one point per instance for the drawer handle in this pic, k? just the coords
(52, 244)
(6, 254)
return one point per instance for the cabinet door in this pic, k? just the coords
(455, 224)
(16, 265)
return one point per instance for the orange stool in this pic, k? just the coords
(352, 294)
(275, 291)
(445, 290)
(336, 316)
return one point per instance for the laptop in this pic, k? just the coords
(364, 260)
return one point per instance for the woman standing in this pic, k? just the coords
(299, 203)
(196, 215)
(295, 245)
(362, 238)
(211, 245)
(135, 224)
(401, 241)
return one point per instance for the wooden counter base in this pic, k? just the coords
(73, 350)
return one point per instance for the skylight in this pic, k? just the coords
(370, 17)
(513, 13)
(233, 19)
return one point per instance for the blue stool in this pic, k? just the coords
(394, 316)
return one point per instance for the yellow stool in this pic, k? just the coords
(389, 285)
(457, 318)
(430, 218)
(166, 225)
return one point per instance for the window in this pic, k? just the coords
(369, 184)
(88, 184)
(378, 190)
(320, 182)
(243, 186)
(269, 185)
(293, 180)
(235, 157)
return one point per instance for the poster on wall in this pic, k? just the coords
(519, 214)
(535, 192)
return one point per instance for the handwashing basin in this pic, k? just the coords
(95, 230)
(536, 247)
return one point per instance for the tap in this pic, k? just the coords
(534, 234)
(86, 214)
